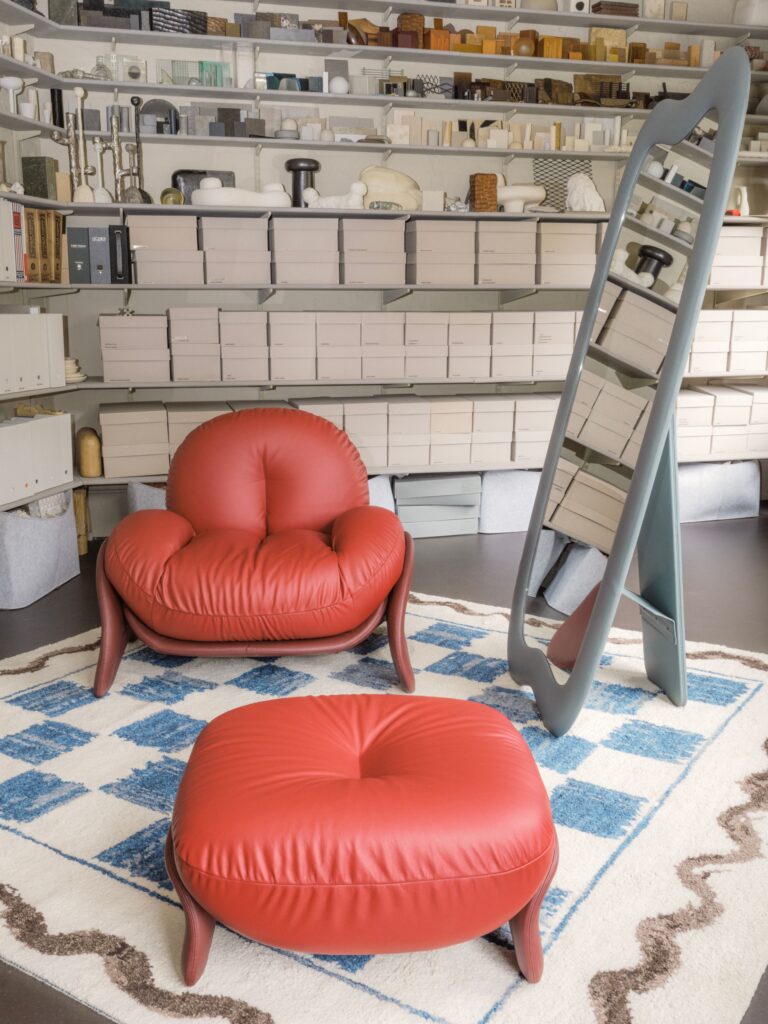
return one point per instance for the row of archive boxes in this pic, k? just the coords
(35, 455)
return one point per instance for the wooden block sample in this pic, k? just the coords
(437, 39)
(482, 193)
(551, 47)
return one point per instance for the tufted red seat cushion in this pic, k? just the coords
(268, 535)
(362, 824)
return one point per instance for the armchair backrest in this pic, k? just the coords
(266, 470)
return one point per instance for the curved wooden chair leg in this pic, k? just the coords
(200, 925)
(525, 929)
(398, 602)
(115, 633)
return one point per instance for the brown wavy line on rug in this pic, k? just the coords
(127, 967)
(37, 663)
(660, 952)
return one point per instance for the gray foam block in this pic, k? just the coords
(36, 556)
(548, 550)
(507, 501)
(142, 496)
(435, 485)
(380, 492)
(718, 490)
(582, 568)
(436, 513)
(443, 528)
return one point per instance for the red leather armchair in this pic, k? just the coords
(268, 547)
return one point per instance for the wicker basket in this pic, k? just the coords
(412, 23)
(482, 193)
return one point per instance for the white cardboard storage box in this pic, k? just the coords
(739, 246)
(497, 237)
(491, 447)
(374, 456)
(196, 367)
(242, 267)
(694, 408)
(234, 234)
(732, 406)
(757, 438)
(378, 269)
(366, 418)
(363, 235)
(736, 276)
(693, 442)
(512, 329)
(133, 332)
(749, 356)
(551, 359)
(198, 325)
(384, 362)
(493, 413)
(451, 416)
(335, 329)
(162, 233)
(506, 275)
(554, 326)
(152, 365)
(426, 362)
(511, 361)
(449, 449)
(168, 267)
(293, 362)
(318, 236)
(117, 464)
(382, 329)
(292, 329)
(439, 268)
(469, 362)
(246, 363)
(426, 328)
(408, 450)
(469, 329)
(456, 238)
(578, 275)
(708, 357)
(605, 435)
(759, 396)
(304, 267)
(530, 446)
(536, 412)
(340, 362)
(330, 409)
(125, 423)
(241, 328)
(409, 416)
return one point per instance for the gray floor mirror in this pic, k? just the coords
(610, 476)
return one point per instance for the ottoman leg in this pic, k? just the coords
(114, 629)
(525, 929)
(200, 924)
(398, 601)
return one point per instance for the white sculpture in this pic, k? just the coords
(519, 198)
(583, 196)
(388, 186)
(352, 200)
(620, 269)
(213, 193)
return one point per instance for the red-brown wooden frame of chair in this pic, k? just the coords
(119, 625)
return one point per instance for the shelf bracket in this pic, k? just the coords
(631, 30)
(515, 294)
(508, 159)
(263, 294)
(386, 14)
(17, 30)
(510, 69)
(393, 294)
(510, 26)
(627, 76)
(386, 155)
(26, 136)
(742, 39)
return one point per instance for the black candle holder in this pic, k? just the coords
(303, 170)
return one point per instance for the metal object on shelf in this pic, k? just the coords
(83, 193)
(69, 139)
(135, 192)
(100, 194)
(303, 173)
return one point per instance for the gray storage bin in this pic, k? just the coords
(142, 496)
(36, 556)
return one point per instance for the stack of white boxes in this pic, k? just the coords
(31, 352)
(244, 345)
(339, 348)
(567, 253)
(165, 250)
(36, 455)
(553, 340)
(426, 346)
(512, 346)
(134, 349)
(506, 253)
(638, 332)
(607, 411)
(695, 415)
(450, 428)
(493, 428)
(730, 419)
(739, 258)
(236, 250)
(439, 506)
(469, 346)
(134, 438)
(195, 346)
(757, 429)
(331, 409)
(440, 252)
(749, 342)
(711, 343)
(586, 501)
(184, 417)
(372, 251)
(304, 250)
(409, 432)
(534, 421)
(292, 346)
(382, 338)
(365, 420)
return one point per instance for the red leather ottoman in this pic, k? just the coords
(361, 824)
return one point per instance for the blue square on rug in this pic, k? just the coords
(372, 643)
(30, 795)
(142, 854)
(470, 666)
(594, 809)
(714, 689)
(517, 706)
(661, 742)
(271, 679)
(150, 657)
(44, 741)
(616, 699)
(560, 753)
(168, 688)
(153, 786)
(448, 634)
(372, 672)
(167, 731)
(54, 700)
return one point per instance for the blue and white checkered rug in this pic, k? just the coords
(87, 787)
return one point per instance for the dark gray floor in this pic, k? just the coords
(726, 601)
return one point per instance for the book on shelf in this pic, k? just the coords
(30, 244)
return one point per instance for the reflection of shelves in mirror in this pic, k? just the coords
(636, 372)
(672, 192)
(685, 150)
(641, 228)
(645, 293)
(598, 451)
